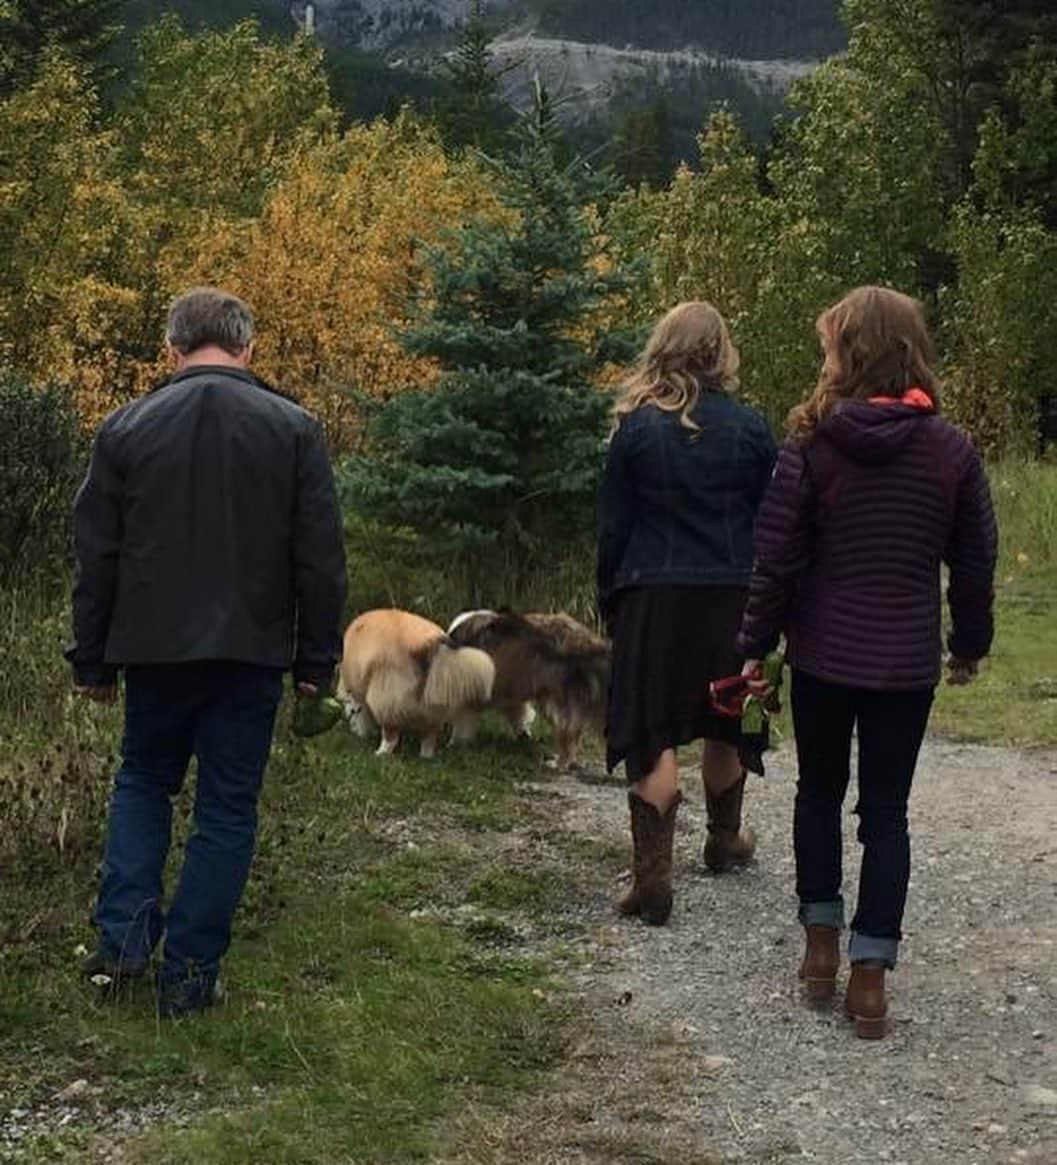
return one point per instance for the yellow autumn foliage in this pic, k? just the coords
(62, 212)
(337, 255)
(254, 189)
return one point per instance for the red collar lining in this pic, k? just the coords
(915, 398)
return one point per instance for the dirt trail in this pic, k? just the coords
(699, 1049)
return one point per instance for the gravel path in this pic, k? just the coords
(699, 1049)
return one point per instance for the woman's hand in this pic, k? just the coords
(758, 685)
(961, 671)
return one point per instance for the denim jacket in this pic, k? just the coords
(678, 506)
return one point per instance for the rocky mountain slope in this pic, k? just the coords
(588, 52)
(750, 29)
(381, 24)
(586, 77)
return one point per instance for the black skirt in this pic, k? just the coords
(669, 643)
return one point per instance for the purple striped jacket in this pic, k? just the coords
(849, 544)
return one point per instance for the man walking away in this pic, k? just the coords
(209, 561)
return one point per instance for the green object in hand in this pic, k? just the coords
(314, 715)
(752, 717)
(755, 711)
(772, 669)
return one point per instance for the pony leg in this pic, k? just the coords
(361, 722)
(390, 739)
(521, 717)
(464, 730)
(525, 719)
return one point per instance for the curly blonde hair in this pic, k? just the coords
(875, 342)
(690, 352)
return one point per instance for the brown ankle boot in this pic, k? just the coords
(652, 834)
(865, 1002)
(821, 960)
(727, 845)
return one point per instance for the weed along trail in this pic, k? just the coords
(694, 1045)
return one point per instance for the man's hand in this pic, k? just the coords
(97, 693)
(961, 671)
(309, 690)
(757, 684)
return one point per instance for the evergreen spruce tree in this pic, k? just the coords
(496, 466)
(642, 149)
(472, 113)
(85, 29)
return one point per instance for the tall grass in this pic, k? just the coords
(56, 753)
(1014, 700)
(1025, 494)
(387, 569)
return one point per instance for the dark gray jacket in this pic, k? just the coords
(208, 528)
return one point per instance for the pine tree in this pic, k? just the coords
(85, 29)
(496, 466)
(472, 114)
(642, 150)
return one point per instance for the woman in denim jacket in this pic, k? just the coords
(686, 469)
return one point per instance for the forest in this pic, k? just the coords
(410, 291)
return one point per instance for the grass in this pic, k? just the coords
(350, 1028)
(379, 979)
(1014, 700)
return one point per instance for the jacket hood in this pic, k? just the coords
(873, 433)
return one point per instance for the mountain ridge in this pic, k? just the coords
(750, 29)
(603, 61)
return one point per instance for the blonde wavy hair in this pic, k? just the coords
(875, 342)
(690, 352)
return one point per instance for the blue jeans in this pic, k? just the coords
(891, 727)
(222, 714)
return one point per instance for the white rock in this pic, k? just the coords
(1035, 1094)
(713, 1065)
(72, 1091)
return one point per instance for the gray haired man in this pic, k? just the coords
(210, 561)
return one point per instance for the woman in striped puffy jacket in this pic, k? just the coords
(872, 493)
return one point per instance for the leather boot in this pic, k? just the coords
(727, 845)
(865, 1002)
(821, 960)
(652, 835)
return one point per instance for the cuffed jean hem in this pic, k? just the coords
(865, 948)
(822, 914)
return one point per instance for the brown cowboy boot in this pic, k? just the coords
(821, 960)
(727, 845)
(652, 834)
(865, 1002)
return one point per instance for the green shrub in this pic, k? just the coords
(42, 457)
(57, 752)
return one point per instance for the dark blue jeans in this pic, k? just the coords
(891, 727)
(222, 714)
